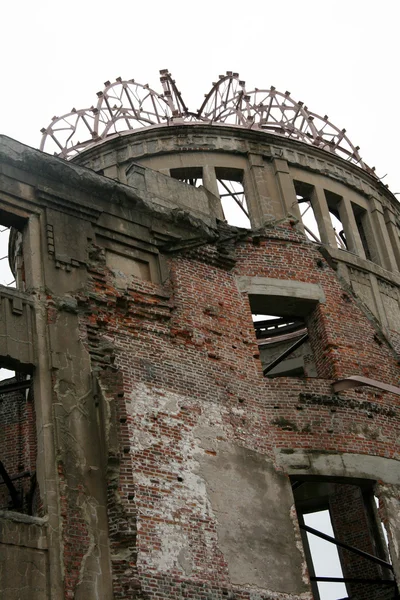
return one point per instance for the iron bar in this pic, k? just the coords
(276, 327)
(7, 480)
(15, 386)
(18, 476)
(233, 195)
(328, 538)
(375, 580)
(312, 234)
(285, 354)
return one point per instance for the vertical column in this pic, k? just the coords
(353, 239)
(393, 232)
(46, 467)
(323, 218)
(378, 302)
(381, 235)
(286, 188)
(262, 206)
(211, 184)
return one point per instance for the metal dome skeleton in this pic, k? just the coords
(126, 105)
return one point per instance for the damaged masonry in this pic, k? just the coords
(204, 338)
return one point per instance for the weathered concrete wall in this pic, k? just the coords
(24, 568)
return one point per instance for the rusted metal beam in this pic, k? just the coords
(126, 105)
(15, 386)
(328, 538)
(13, 492)
(374, 581)
(285, 354)
(358, 381)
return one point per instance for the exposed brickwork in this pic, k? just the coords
(181, 356)
(353, 526)
(170, 467)
(18, 446)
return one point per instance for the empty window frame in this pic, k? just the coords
(18, 490)
(11, 265)
(282, 337)
(232, 195)
(305, 199)
(343, 538)
(303, 195)
(190, 175)
(6, 275)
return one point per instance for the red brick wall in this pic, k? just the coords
(353, 526)
(17, 443)
(186, 355)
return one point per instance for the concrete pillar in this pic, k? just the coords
(381, 235)
(211, 184)
(210, 180)
(322, 216)
(393, 232)
(46, 467)
(378, 302)
(262, 206)
(353, 239)
(286, 189)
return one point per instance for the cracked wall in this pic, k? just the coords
(164, 455)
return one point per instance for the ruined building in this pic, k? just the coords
(205, 336)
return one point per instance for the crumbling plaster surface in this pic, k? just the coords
(237, 497)
(23, 557)
(79, 464)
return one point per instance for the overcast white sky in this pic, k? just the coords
(339, 57)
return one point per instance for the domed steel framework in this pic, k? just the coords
(126, 105)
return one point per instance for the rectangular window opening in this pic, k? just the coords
(18, 448)
(11, 265)
(282, 338)
(233, 198)
(324, 555)
(343, 539)
(6, 275)
(190, 175)
(303, 195)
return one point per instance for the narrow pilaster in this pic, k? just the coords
(46, 467)
(263, 206)
(286, 189)
(353, 239)
(393, 232)
(381, 235)
(211, 184)
(378, 301)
